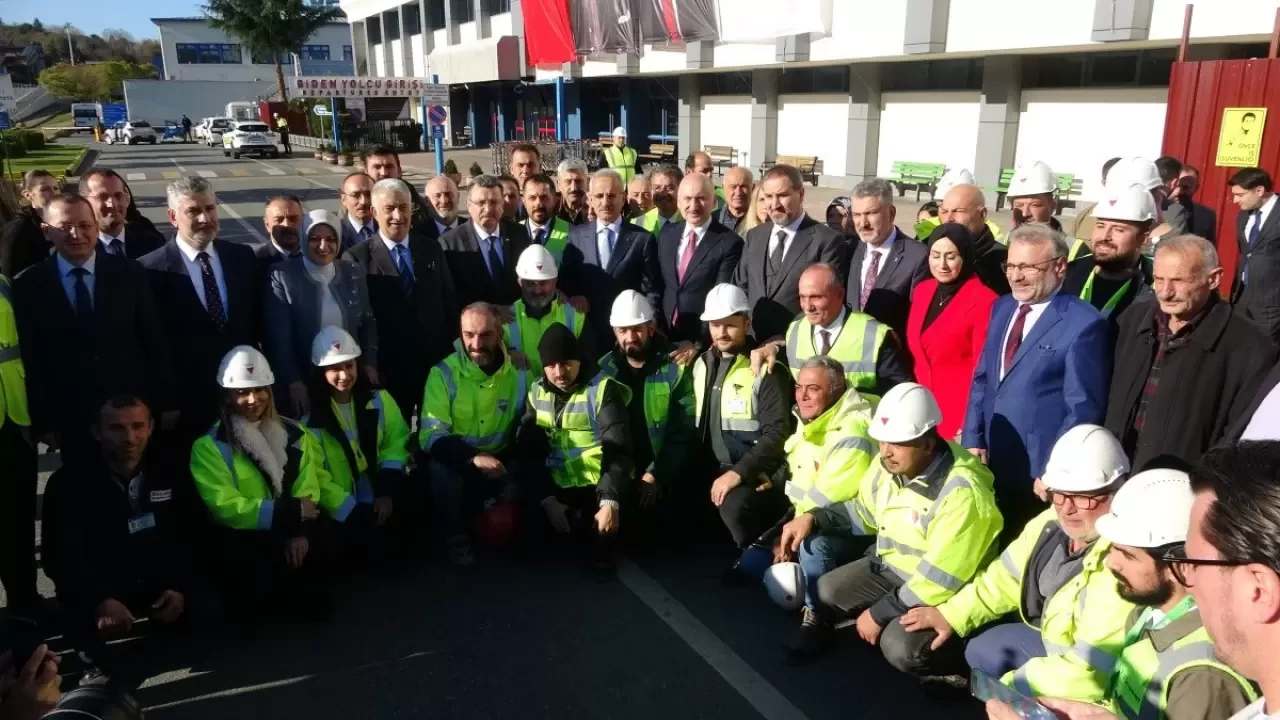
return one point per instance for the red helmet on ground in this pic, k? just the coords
(496, 527)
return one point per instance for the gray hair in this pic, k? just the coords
(876, 188)
(670, 172)
(830, 367)
(571, 165)
(487, 182)
(607, 174)
(387, 186)
(1037, 234)
(1188, 244)
(484, 308)
(834, 279)
(185, 187)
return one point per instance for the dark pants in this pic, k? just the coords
(18, 518)
(362, 542)
(1002, 648)
(457, 496)
(284, 140)
(844, 593)
(583, 506)
(255, 578)
(748, 513)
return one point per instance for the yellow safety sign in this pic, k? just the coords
(1240, 142)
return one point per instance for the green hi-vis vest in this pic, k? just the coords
(460, 399)
(623, 162)
(556, 241)
(13, 375)
(739, 401)
(1142, 676)
(829, 455)
(347, 487)
(652, 221)
(659, 392)
(524, 333)
(856, 347)
(574, 436)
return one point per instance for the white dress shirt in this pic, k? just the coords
(489, 240)
(1036, 311)
(790, 230)
(1264, 212)
(699, 231)
(885, 248)
(1256, 711)
(833, 330)
(391, 249)
(69, 280)
(534, 227)
(1265, 423)
(107, 240)
(196, 272)
(373, 226)
(602, 239)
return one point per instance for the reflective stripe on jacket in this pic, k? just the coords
(659, 391)
(622, 161)
(524, 333)
(573, 437)
(856, 347)
(460, 399)
(829, 455)
(349, 486)
(739, 400)
(652, 221)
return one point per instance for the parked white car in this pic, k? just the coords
(249, 137)
(201, 128)
(213, 131)
(131, 132)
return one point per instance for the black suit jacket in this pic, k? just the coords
(22, 243)
(267, 255)
(141, 239)
(633, 266)
(714, 261)
(1259, 296)
(471, 278)
(196, 344)
(1202, 221)
(350, 238)
(900, 272)
(71, 369)
(774, 307)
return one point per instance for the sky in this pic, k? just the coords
(94, 16)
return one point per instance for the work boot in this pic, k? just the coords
(814, 638)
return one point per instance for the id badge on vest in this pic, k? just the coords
(141, 522)
(736, 405)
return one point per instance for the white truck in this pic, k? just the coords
(243, 111)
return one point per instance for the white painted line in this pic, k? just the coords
(765, 698)
(207, 173)
(136, 176)
(179, 166)
(244, 223)
(339, 170)
(270, 169)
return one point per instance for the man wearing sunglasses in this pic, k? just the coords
(1071, 618)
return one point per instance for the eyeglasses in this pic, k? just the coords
(486, 203)
(1179, 563)
(1034, 269)
(1079, 502)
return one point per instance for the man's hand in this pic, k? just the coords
(794, 532)
(33, 692)
(1065, 709)
(980, 453)
(371, 373)
(764, 356)
(169, 606)
(580, 304)
(1041, 491)
(519, 359)
(169, 419)
(606, 519)
(919, 619)
(309, 509)
(300, 398)
(868, 628)
(490, 466)
(649, 491)
(723, 484)
(296, 552)
(557, 514)
(684, 354)
(114, 619)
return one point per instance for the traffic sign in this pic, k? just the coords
(321, 110)
(437, 114)
(437, 131)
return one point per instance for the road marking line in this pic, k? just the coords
(270, 169)
(136, 176)
(207, 173)
(244, 223)
(179, 166)
(170, 175)
(765, 698)
(240, 172)
(341, 170)
(306, 171)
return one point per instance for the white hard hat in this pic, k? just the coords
(630, 309)
(619, 131)
(1134, 171)
(1151, 510)
(1034, 179)
(905, 413)
(320, 217)
(950, 179)
(1120, 202)
(725, 300)
(333, 345)
(784, 582)
(536, 263)
(244, 368)
(1087, 458)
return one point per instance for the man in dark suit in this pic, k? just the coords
(1203, 220)
(482, 254)
(777, 253)
(282, 219)
(358, 224)
(443, 195)
(1256, 291)
(695, 256)
(89, 329)
(412, 295)
(22, 242)
(383, 162)
(608, 256)
(109, 197)
(887, 265)
(209, 293)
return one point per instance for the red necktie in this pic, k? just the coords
(1015, 337)
(690, 245)
(869, 282)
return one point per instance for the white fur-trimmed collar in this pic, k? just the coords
(265, 443)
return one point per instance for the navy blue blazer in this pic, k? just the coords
(1059, 378)
(633, 266)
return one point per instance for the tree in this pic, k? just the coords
(100, 81)
(270, 28)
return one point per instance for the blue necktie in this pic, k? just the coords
(493, 260)
(1250, 240)
(403, 267)
(608, 248)
(113, 247)
(84, 301)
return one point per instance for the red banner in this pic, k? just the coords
(548, 39)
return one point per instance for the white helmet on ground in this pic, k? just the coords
(725, 300)
(1151, 510)
(1132, 203)
(950, 179)
(1134, 171)
(333, 345)
(1086, 459)
(630, 309)
(1034, 179)
(245, 368)
(536, 263)
(905, 413)
(784, 582)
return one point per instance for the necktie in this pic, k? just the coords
(826, 342)
(1257, 227)
(495, 262)
(779, 251)
(540, 237)
(212, 298)
(84, 301)
(1015, 336)
(115, 246)
(366, 232)
(869, 282)
(606, 251)
(690, 247)
(407, 280)
(1250, 240)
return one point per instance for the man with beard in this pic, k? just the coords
(571, 181)
(664, 183)
(445, 214)
(282, 219)
(538, 308)
(382, 162)
(1116, 273)
(510, 197)
(965, 204)
(470, 407)
(107, 194)
(525, 162)
(357, 205)
(543, 226)
(661, 397)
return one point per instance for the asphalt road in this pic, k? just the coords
(515, 636)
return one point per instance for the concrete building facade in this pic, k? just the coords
(191, 49)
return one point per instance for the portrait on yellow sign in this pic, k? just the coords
(1240, 142)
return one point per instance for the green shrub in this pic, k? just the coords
(34, 139)
(475, 170)
(14, 138)
(450, 167)
(14, 148)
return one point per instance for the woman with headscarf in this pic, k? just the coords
(948, 323)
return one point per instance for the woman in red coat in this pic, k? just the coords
(948, 323)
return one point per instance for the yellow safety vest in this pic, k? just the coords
(557, 239)
(524, 333)
(13, 375)
(622, 161)
(739, 403)
(856, 347)
(460, 399)
(659, 393)
(652, 221)
(573, 436)
(829, 455)
(347, 488)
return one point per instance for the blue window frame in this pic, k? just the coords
(315, 52)
(285, 59)
(209, 54)
(348, 53)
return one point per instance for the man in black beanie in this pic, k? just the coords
(575, 447)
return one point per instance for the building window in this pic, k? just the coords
(933, 75)
(435, 16)
(315, 52)
(208, 54)
(494, 7)
(348, 53)
(1141, 68)
(463, 11)
(728, 83)
(814, 80)
(285, 59)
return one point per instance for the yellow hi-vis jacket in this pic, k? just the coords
(621, 160)
(576, 449)
(935, 531)
(13, 376)
(1082, 625)
(556, 240)
(857, 347)
(460, 400)
(346, 460)
(524, 333)
(828, 456)
(239, 496)
(668, 402)
(652, 221)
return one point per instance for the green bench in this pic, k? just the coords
(918, 175)
(1069, 188)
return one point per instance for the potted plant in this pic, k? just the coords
(345, 159)
(475, 170)
(451, 171)
(328, 155)
(319, 152)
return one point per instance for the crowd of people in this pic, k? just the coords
(1052, 464)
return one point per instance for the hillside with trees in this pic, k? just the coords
(111, 44)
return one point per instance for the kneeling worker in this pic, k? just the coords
(472, 402)
(538, 307)
(575, 446)
(1072, 618)
(932, 506)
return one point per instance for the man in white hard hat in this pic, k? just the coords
(621, 158)
(1031, 195)
(1116, 273)
(1072, 618)
(1082, 227)
(539, 306)
(1144, 172)
(932, 506)
(661, 398)
(743, 421)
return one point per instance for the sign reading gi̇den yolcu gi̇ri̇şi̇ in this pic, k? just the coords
(366, 87)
